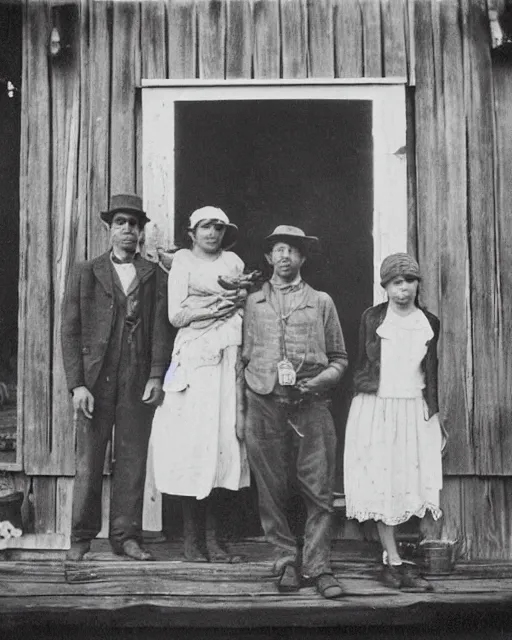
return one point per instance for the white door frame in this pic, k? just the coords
(389, 139)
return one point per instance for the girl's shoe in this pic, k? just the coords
(391, 575)
(412, 581)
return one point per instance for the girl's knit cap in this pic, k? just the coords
(398, 264)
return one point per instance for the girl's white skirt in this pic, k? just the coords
(392, 461)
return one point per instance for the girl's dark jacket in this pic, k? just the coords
(367, 371)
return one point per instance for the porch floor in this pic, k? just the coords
(105, 589)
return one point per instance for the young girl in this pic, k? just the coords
(393, 440)
(194, 442)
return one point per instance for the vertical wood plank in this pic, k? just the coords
(65, 92)
(486, 517)
(412, 216)
(105, 507)
(267, 39)
(410, 41)
(393, 14)
(154, 65)
(450, 526)
(348, 38)
(321, 39)
(44, 495)
(503, 143)
(152, 512)
(483, 245)
(372, 38)
(455, 370)
(23, 257)
(79, 233)
(294, 38)
(99, 92)
(154, 43)
(64, 505)
(37, 323)
(427, 156)
(239, 38)
(126, 62)
(182, 36)
(211, 38)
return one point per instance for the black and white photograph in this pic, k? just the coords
(255, 319)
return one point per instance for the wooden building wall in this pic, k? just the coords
(81, 141)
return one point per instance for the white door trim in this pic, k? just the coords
(389, 143)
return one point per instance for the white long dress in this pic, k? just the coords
(392, 461)
(193, 438)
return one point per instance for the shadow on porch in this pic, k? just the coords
(106, 589)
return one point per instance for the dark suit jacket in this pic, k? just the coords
(367, 371)
(88, 315)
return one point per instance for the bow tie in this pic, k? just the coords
(127, 260)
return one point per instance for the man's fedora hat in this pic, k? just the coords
(292, 235)
(125, 203)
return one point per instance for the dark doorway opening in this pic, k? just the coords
(10, 128)
(307, 163)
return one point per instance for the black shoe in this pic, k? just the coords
(412, 581)
(391, 575)
(328, 587)
(289, 581)
(77, 550)
(132, 549)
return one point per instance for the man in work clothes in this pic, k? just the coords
(294, 353)
(116, 347)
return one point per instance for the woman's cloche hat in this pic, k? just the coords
(398, 264)
(292, 235)
(125, 203)
(214, 213)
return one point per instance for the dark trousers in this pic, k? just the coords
(280, 458)
(117, 400)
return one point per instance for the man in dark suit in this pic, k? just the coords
(116, 346)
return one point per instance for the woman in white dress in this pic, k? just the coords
(194, 443)
(393, 443)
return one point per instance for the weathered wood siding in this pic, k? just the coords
(82, 140)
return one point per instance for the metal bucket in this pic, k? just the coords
(438, 557)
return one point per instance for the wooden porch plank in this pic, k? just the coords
(246, 612)
(182, 38)
(348, 38)
(294, 38)
(211, 38)
(239, 38)
(321, 39)
(267, 39)
(98, 136)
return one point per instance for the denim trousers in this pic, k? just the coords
(280, 458)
